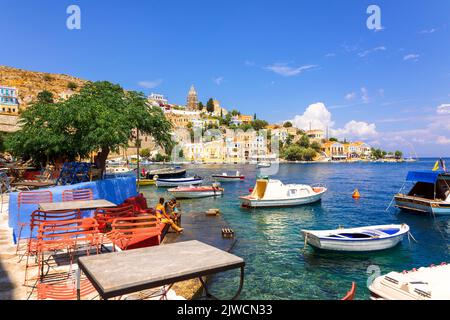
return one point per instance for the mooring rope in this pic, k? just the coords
(411, 236)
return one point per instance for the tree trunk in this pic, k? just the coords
(100, 159)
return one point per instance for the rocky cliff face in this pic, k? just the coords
(30, 83)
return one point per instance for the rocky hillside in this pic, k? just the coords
(30, 83)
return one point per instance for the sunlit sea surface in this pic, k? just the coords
(278, 266)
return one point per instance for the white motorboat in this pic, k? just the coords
(263, 165)
(426, 283)
(189, 181)
(364, 239)
(192, 192)
(273, 193)
(224, 177)
(118, 170)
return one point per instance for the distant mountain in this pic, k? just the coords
(30, 83)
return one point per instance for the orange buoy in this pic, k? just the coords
(356, 194)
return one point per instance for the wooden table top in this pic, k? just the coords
(74, 205)
(119, 273)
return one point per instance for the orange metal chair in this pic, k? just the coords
(27, 198)
(139, 204)
(39, 217)
(135, 232)
(68, 235)
(64, 288)
(77, 194)
(105, 216)
(351, 294)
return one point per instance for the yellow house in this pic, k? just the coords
(245, 119)
(334, 150)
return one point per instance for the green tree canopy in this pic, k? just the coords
(45, 97)
(287, 124)
(145, 153)
(200, 106)
(259, 124)
(102, 117)
(210, 106)
(304, 141)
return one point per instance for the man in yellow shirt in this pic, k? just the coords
(164, 218)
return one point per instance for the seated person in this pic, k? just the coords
(164, 218)
(173, 211)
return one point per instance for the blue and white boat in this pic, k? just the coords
(175, 182)
(430, 193)
(363, 239)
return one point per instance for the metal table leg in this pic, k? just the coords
(78, 283)
(241, 285)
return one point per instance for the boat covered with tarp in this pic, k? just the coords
(429, 194)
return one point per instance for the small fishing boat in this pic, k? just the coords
(263, 165)
(166, 173)
(224, 177)
(426, 283)
(364, 239)
(273, 193)
(192, 192)
(189, 181)
(430, 193)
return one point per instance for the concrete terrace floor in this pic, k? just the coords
(11, 272)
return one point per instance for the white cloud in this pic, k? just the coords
(218, 80)
(150, 84)
(442, 140)
(356, 129)
(412, 56)
(443, 109)
(350, 96)
(428, 31)
(249, 63)
(315, 116)
(287, 71)
(330, 55)
(365, 95)
(367, 52)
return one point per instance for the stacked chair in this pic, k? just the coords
(58, 238)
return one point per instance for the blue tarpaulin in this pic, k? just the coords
(427, 176)
(115, 190)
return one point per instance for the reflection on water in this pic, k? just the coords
(277, 265)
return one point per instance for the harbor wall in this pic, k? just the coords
(115, 190)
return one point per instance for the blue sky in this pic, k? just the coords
(311, 61)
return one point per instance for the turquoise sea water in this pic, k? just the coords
(277, 266)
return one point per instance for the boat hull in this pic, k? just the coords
(271, 203)
(422, 205)
(146, 182)
(176, 183)
(353, 245)
(228, 178)
(167, 175)
(195, 194)
(364, 239)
